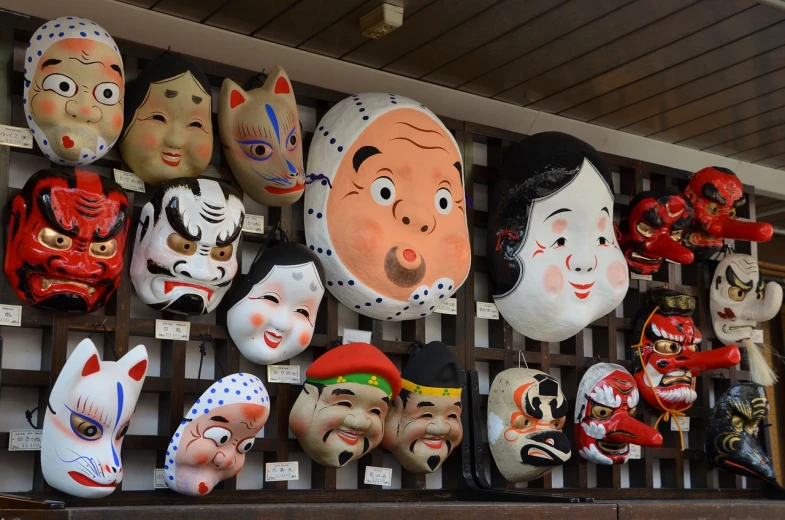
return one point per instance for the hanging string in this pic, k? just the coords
(29, 414)
(202, 353)
(334, 343)
(313, 177)
(521, 355)
(107, 338)
(277, 231)
(640, 170)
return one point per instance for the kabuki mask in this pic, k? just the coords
(216, 433)
(272, 312)
(526, 413)
(605, 423)
(168, 130)
(339, 415)
(388, 217)
(651, 230)
(715, 194)
(185, 253)
(667, 358)
(89, 411)
(423, 425)
(66, 240)
(73, 93)
(555, 265)
(262, 139)
(732, 435)
(738, 300)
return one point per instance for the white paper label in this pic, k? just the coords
(283, 374)
(757, 336)
(253, 224)
(169, 329)
(128, 180)
(683, 421)
(378, 476)
(487, 311)
(16, 136)
(636, 276)
(24, 440)
(635, 451)
(448, 306)
(356, 336)
(11, 315)
(159, 479)
(279, 471)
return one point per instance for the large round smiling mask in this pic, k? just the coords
(386, 213)
(555, 265)
(73, 92)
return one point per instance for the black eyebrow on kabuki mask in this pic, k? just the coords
(48, 62)
(218, 418)
(176, 221)
(424, 403)
(562, 210)
(343, 391)
(170, 93)
(362, 154)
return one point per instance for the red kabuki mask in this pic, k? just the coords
(715, 194)
(604, 416)
(66, 240)
(667, 358)
(651, 230)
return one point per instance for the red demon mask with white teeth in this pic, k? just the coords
(667, 357)
(66, 240)
(604, 416)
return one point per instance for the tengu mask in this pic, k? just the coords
(66, 240)
(185, 253)
(526, 413)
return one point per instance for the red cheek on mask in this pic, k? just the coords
(204, 150)
(47, 107)
(201, 459)
(617, 274)
(305, 338)
(553, 280)
(602, 224)
(559, 225)
(257, 319)
(149, 141)
(117, 121)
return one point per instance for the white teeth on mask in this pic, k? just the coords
(655, 330)
(681, 339)
(592, 454)
(605, 396)
(696, 340)
(678, 395)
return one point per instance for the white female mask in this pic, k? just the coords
(555, 263)
(89, 410)
(185, 253)
(272, 313)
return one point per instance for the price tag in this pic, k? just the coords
(356, 336)
(487, 311)
(683, 421)
(253, 224)
(16, 136)
(636, 276)
(11, 315)
(448, 306)
(283, 374)
(757, 336)
(24, 440)
(278, 471)
(376, 476)
(159, 479)
(635, 451)
(168, 329)
(128, 180)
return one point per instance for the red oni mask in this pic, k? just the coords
(715, 194)
(66, 239)
(604, 416)
(652, 230)
(667, 358)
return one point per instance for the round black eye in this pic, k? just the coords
(107, 93)
(259, 149)
(293, 140)
(90, 431)
(443, 203)
(186, 246)
(385, 193)
(64, 86)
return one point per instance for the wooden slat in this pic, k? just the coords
(777, 161)
(738, 129)
(578, 41)
(760, 153)
(140, 3)
(196, 10)
(303, 20)
(714, 35)
(247, 16)
(748, 142)
(426, 24)
(7, 68)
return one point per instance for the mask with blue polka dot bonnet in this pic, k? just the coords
(385, 208)
(272, 313)
(216, 433)
(73, 91)
(339, 415)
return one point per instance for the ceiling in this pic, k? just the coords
(705, 74)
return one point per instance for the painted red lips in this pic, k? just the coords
(84, 480)
(582, 287)
(170, 285)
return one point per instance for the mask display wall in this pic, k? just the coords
(667, 358)
(219, 429)
(339, 415)
(738, 300)
(715, 194)
(526, 413)
(66, 240)
(732, 434)
(555, 265)
(424, 424)
(605, 409)
(73, 92)
(168, 129)
(185, 252)
(89, 411)
(272, 312)
(262, 139)
(388, 218)
(651, 230)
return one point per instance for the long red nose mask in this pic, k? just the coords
(628, 429)
(727, 227)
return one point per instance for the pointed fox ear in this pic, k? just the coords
(278, 83)
(232, 95)
(83, 360)
(135, 362)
